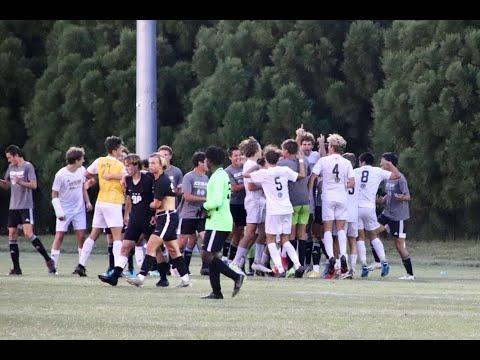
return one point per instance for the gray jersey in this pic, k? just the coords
(395, 209)
(236, 178)
(20, 196)
(175, 175)
(195, 184)
(297, 190)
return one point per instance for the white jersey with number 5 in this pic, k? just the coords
(369, 178)
(335, 172)
(274, 182)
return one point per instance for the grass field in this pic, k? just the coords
(435, 306)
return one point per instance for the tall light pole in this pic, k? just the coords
(146, 117)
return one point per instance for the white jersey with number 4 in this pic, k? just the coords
(369, 178)
(335, 172)
(274, 182)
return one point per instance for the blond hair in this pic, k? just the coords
(337, 142)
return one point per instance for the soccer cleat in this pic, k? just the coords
(346, 275)
(108, 279)
(184, 283)
(80, 271)
(365, 271)
(308, 268)
(109, 272)
(162, 283)
(235, 268)
(226, 260)
(260, 273)
(261, 268)
(238, 285)
(314, 274)
(374, 265)
(154, 273)
(135, 281)
(385, 269)
(407, 277)
(330, 269)
(299, 272)
(51, 267)
(343, 265)
(205, 271)
(15, 272)
(129, 274)
(213, 296)
(174, 272)
(249, 272)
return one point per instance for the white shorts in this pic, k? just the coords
(351, 228)
(79, 222)
(107, 215)
(256, 214)
(367, 219)
(334, 210)
(278, 224)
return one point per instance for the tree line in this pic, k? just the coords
(405, 86)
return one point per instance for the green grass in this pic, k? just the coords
(435, 306)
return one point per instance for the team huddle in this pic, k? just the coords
(294, 204)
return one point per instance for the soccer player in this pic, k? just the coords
(20, 178)
(219, 224)
(108, 208)
(337, 176)
(174, 173)
(274, 181)
(396, 212)
(70, 200)
(370, 177)
(254, 206)
(299, 196)
(166, 223)
(237, 199)
(192, 215)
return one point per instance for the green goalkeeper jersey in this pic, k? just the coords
(218, 202)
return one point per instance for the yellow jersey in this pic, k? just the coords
(111, 191)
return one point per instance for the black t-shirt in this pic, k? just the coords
(141, 195)
(163, 187)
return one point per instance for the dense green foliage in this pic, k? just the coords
(408, 86)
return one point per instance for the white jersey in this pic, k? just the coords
(352, 201)
(70, 190)
(252, 198)
(369, 178)
(274, 182)
(335, 172)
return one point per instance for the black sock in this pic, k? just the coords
(226, 247)
(204, 265)
(37, 244)
(316, 254)
(408, 265)
(377, 259)
(250, 262)
(224, 269)
(117, 271)
(302, 244)
(308, 252)
(148, 264)
(179, 264)
(162, 270)
(322, 247)
(111, 258)
(214, 276)
(294, 244)
(15, 255)
(130, 260)
(187, 254)
(233, 252)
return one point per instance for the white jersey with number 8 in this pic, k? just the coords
(335, 172)
(369, 178)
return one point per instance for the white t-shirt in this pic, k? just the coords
(370, 178)
(335, 172)
(274, 182)
(70, 190)
(352, 201)
(252, 198)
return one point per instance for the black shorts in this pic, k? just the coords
(239, 214)
(167, 224)
(393, 227)
(190, 226)
(20, 217)
(214, 240)
(318, 215)
(135, 229)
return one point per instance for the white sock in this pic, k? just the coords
(353, 261)
(121, 261)
(117, 249)
(328, 242)
(292, 254)
(79, 253)
(86, 250)
(185, 277)
(240, 256)
(337, 264)
(342, 242)
(316, 268)
(379, 249)
(258, 253)
(275, 255)
(362, 252)
(139, 255)
(55, 254)
(284, 252)
(141, 277)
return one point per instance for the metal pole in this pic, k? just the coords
(146, 117)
